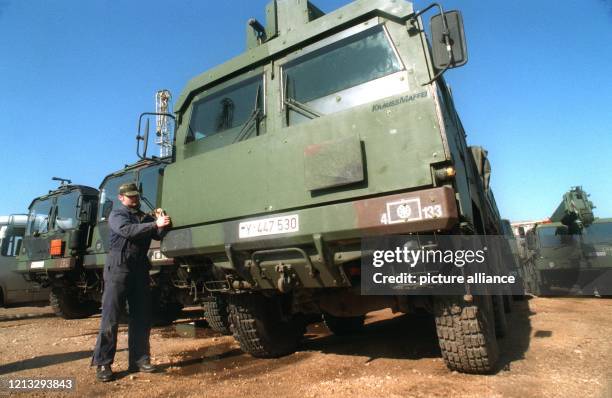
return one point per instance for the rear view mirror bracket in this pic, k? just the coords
(448, 46)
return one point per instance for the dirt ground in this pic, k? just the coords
(557, 347)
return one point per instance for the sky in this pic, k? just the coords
(75, 75)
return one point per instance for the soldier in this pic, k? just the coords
(126, 276)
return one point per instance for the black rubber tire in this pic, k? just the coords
(66, 305)
(1, 298)
(342, 326)
(466, 334)
(217, 314)
(258, 325)
(501, 323)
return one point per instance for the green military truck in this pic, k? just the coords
(329, 128)
(66, 242)
(570, 253)
(556, 256)
(572, 263)
(59, 229)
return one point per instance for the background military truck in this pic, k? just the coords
(74, 219)
(58, 233)
(580, 262)
(557, 248)
(286, 156)
(14, 289)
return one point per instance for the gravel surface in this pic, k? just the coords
(556, 347)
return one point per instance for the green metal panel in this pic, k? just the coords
(266, 173)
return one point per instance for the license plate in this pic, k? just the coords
(37, 264)
(269, 226)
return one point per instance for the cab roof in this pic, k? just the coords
(292, 39)
(64, 189)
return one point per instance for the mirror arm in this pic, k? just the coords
(446, 35)
(450, 58)
(429, 7)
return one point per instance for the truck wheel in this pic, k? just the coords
(501, 323)
(216, 314)
(342, 326)
(258, 324)
(1, 298)
(466, 333)
(66, 304)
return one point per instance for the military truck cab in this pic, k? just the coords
(147, 175)
(58, 232)
(329, 128)
(557, 256)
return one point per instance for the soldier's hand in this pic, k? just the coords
(159, 212)
(162, 221)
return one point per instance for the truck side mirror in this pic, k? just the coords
(449, 49)
(143, 133)
(106, 208)
(144, 138)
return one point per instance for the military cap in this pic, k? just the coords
(129, 189)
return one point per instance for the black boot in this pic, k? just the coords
(146, 367)
(104, 373)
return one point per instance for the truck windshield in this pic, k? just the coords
(349, 62)
(109, 192)
(598, 233)
(66, 217)
(226, 110)
(555, 236)
(38, 218)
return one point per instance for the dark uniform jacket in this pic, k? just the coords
(130, 235)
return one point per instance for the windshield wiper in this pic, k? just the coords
(245, 131)
(302, 108)
(298, 106)
(147, 202)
